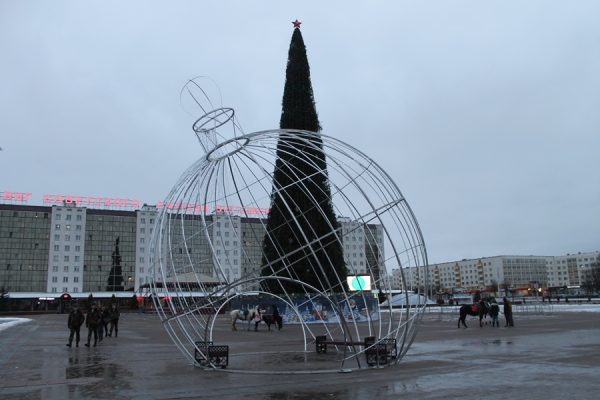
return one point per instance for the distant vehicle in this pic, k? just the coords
(462, 299)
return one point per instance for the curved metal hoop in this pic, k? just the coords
(214, 116)
(238, 143)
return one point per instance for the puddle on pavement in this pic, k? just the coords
(94, 366)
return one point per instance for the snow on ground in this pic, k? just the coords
(6, 323)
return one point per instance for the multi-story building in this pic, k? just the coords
(66, 250)
(502, 272)
(572, 269)
(354, 243)
(71, 249)
(145, 219)
(24, 247)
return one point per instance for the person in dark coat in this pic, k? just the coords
(105, 320)
(276, 317)
(114, 314)
(494, 311)
(508, 313)
(92, 321)
(74, 323)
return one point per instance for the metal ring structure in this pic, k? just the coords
(233, 187)
(215, 117)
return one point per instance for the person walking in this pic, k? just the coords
(92, 321)
(100, 326)
(114, 319)
(508, 313)
(257, 317)
(74, 323)
(105, 320)
(494, 311)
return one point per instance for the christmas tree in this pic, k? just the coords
(303, 238)
(115, 278)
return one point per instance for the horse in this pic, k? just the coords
(242, 315)
(271, 319)
(479, 309)
(270, 316)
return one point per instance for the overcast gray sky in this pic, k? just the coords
(484, 113)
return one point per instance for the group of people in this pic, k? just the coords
(494, 312)
(97, 320)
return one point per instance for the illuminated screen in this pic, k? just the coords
(359, 282)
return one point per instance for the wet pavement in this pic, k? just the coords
(551, 356)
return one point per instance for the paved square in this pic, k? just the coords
(551, 356)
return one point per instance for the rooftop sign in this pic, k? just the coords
(131, 204)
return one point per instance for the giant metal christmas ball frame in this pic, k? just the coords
(234, 180)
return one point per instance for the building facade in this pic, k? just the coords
(76, 250)
(503, 272)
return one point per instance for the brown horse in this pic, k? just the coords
(270, 316)
(479, 309)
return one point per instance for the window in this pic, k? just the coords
(142, 240)
(55, 268)
(57, 227)
(77, 227)
(56, 238)
(58, 216)
(142, 230)
(68, 217)
(142, 259)
(66, 268)
(77, 258)
(77, 248)
(68, 227)
(143, 220)
(67, 248)
(55, 258)
(54, 279)
(53, 290)
(142, 270)
(142, 249)
(66, 258)
(78, 218)
(65, 289)
(76, 279)
(56, 247)
(65, 279)
(76, 289)
(151, 221)
(67, 238)
(77, 238)
(76, 268)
